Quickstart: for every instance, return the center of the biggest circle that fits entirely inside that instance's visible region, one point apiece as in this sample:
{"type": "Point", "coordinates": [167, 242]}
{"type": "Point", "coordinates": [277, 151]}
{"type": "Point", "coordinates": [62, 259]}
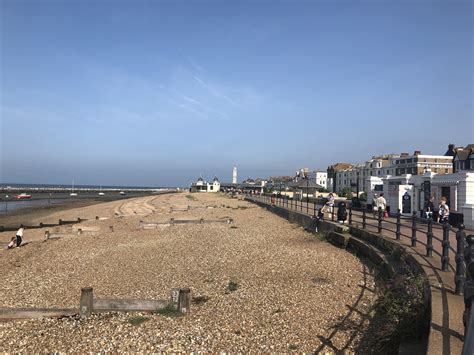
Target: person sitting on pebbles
{"type": "Point", "coordinates": [16, 240]}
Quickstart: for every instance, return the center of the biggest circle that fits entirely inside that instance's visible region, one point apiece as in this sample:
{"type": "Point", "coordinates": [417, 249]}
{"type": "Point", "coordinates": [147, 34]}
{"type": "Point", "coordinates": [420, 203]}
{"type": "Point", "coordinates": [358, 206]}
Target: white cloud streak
{"type": "Point", "coordinates": [214, 91]}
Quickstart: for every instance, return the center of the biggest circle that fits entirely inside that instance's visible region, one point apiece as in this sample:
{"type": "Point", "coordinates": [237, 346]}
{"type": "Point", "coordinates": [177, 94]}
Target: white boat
{"type": "Point", "coordinates": [101, 194]}
{"type": "Point", "coordinates": [73, 193]}
{"type": "Point", "coordinates": [123, 193]}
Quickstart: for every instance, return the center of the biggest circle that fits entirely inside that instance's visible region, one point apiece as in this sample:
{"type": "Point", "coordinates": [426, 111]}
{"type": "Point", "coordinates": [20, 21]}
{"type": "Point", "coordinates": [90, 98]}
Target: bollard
{"type": "Point", "coordinates": [429, 237]}
{"type": "Point", "coordinates": [111, 228]}
{"type": "Point", "coordinates": [41, 224]}
{"type": "Point", "coordinates": [350, 215]}
{"type": "Point", "coordinates": [445, 244]}
{"type": "Point", "coordinates": [86, 305]}
{"type": "Point", "coordinates": [460, 277]}
{"type": "Point", "coordinates": [201, 221]}
{"type": "Point", "coordinates": [79, 231]}
{"type": "Point", "coordinates": [60, 221]}
{"type": "Point", "coordinates": [363, 219]}
{"type": "Point", "coordinates": [96, 218]}
{"type": "Point", "coordinates": [379, 227]}
{"type": "Point", "coordinates": [171, 221]}
{"type": "Point", "coordinates": [399, 225]}
{"type": "Point", "coordinates": [46, 235]}
{"type": "Point", "coordinates": [78, 220]}
{"type": "Point", "coordinates": [413, 230]}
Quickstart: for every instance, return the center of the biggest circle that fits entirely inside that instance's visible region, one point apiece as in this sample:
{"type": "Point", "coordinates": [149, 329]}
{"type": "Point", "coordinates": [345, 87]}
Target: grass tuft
{"type": "Point", "coordinates": [169, 311]}
{"type": "Point", "coordinates": [232, 286]}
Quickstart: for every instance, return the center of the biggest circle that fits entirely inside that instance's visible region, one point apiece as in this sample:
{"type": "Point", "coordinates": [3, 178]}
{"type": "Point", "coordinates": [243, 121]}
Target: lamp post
{"type": "Point", "coordinates": [358, 175]}
{"type": "Point", "coordinates": [307, 189]}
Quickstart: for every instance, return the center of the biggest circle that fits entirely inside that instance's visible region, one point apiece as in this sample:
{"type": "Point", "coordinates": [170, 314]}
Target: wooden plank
{"type": "Point", "coordinates": [127, 305]}
{"type": "Point", "coordinates": [9, 314]}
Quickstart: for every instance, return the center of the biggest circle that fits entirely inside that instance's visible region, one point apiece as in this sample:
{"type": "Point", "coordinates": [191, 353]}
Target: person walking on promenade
{"type": "Point", "coordinates": [374, 206]}
{"type": "Point", "coordinates": [428, 208]}
{"type": "Point", "coordinates": [16, 240]}
{"type": "Point", "coordinates": [443, 214]}
{"type": "Point", "coordinates": [330, 203]}
{"type": "Point", "coordinates": [381, 204]}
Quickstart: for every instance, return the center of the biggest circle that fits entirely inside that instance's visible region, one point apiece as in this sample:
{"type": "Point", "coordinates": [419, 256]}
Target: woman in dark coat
{"type": "Point", "coordinates": [341, 212]}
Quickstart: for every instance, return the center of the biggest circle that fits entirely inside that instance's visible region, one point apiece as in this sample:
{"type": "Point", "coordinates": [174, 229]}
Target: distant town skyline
{"type": "Point", "coordinates": [155, 93]}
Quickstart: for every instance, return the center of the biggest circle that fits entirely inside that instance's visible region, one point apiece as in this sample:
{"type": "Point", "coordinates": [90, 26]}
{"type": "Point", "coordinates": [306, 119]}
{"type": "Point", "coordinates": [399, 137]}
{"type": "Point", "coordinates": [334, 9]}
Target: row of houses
{"type": "Point", "coordinates": [409, 180]}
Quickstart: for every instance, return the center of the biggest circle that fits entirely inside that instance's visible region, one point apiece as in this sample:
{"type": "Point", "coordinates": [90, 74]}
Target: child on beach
{"type": "Point", "coordinates": [16, 240]}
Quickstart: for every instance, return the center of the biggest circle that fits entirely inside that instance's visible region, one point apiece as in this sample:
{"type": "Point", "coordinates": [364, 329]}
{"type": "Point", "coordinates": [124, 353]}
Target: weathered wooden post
{"type": "Point", "coordinates": [184, 300]}
{"type": "Point", "coordinates": [111, 228]}
{"type": "Point", "coordinates": [171, 222]}
{"type": "Point", "coordinates": [379, 227]}
{"type": "Point", "coordinates": [87, 301]}
{"type": "Point", "coordinates": [78, 220]}
{"type": "Point", "coordinates": [350, 215]}
{"type": "Point", "coordinates": [399, 225]}
{"type": "Point", "coordinates": [41, 224]}
{"type": "Point", "coordinates": [364, 216]}
{"type": "Point", "coordinates": [413, 229]}
{"type": "Point", "coordinates": [201, 221]}
{"type": "Point", "coordinates": [460, 277]}
{"type": "Point", "coordinates": [46, 235]}
{"type": "Point", "coordinates": [60, 221]}
{"type": "Point", "coordinates": [445, 244]}
{"type": "Point", "coordinates": [96, 218]}
{"type": "Point", "coordinates": [79, 231]}
{"type": "Point", "coordinates": [429, 237]}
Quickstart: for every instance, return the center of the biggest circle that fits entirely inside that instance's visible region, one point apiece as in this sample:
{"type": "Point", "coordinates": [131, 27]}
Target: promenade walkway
{"type": "Point", "coordinates": [447, 329]}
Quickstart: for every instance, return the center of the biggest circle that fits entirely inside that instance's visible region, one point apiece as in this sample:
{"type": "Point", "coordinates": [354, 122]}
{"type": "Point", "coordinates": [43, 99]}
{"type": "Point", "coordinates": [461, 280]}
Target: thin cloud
{"type": "Point", "coordinates": [173, 96]}
{"type": "Point", "coordinates": [206, 108]}
{"type": "Point", "coordinates": [195, 66]}
{"type": "Point", "coordinates": [203, 115]}
{"type": "Point", "coordinates": [214, 92]}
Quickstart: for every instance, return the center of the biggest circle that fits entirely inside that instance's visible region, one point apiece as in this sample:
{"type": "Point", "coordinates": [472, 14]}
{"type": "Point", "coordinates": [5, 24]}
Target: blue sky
{"type": "Point", "coordinates": [159, 92]}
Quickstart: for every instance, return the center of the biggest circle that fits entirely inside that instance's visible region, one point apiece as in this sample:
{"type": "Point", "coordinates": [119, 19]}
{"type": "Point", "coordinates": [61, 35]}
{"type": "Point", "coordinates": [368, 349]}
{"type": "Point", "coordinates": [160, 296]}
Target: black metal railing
{"type": "Point", "coordinates": [437, 238]}
{"type": "Point", "coordinates": [468, 289]}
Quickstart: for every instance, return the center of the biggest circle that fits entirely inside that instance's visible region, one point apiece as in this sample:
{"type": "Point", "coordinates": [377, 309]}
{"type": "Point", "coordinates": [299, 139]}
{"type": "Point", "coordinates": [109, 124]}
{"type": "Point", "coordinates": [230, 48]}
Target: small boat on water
{"type": "Point", "coordinates": [101, 193]}
{"type": "Point", "coordinates": [22, 196]}
{"type": "Point", "coordinates": [73, 193]}
{"type": "Point", "coordinates": [123, 193]}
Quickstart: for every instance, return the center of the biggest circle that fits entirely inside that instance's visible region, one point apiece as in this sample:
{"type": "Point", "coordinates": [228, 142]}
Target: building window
{"type": "Point", "coordinates": [212, 187]}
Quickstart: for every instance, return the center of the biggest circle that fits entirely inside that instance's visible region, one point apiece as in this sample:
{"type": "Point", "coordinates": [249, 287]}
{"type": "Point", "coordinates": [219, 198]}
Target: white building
{"type": "Point", "coordinates": [409, 192]}
{"type": "Point", "coordinates": [319, 178]}
{"type": "Point", "coordinates": [203, 186]}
